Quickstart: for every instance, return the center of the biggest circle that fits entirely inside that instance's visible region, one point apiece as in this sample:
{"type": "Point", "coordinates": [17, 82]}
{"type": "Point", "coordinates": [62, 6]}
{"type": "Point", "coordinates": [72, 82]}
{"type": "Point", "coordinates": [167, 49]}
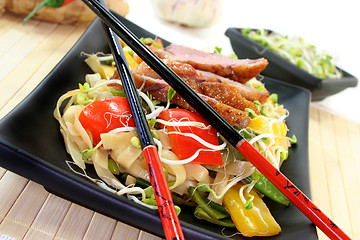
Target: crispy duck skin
{"type": "Point", "coordinates": [249, 93]}
{"type": "Point", "coordinates": [233, 116]}
{"type": "Point", "coordinates": [240, 70]}
{"type": "Point", "coordinates": [227, 94]}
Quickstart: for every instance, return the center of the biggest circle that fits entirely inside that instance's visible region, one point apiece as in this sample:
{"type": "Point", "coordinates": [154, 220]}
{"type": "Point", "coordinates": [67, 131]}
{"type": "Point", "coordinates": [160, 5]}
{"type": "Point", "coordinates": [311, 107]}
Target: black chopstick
{"type": "Point", "coordinates": [299, 199]}
{"type": "Point", "coordinates": [167, 212]}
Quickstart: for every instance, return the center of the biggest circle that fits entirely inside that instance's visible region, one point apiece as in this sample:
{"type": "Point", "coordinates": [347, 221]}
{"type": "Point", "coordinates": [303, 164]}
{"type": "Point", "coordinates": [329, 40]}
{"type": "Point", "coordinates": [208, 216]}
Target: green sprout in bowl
{"type": "Point", "coordinates": [297, 51]}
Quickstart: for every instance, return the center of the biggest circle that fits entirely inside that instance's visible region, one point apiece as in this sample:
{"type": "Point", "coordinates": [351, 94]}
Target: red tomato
{"type": "Point", "coordinates": [104, 115]}
{"type": "Point", "coordinates": [183, 146]}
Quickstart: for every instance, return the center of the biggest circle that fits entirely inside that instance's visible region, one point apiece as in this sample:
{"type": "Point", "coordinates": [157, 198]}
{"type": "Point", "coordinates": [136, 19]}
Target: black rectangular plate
{"type": "Point", "coordinates": [32, 146]}
{"type": "Point", "coordinates": [281, 69]}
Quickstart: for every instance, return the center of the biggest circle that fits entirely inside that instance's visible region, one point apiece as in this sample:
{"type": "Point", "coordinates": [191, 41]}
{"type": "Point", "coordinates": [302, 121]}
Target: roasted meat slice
{"type": "Point", "coordinates": [241, 70]}
{"type": "Point", "coordinates": [226, 94]}
{"type": "Point", "coordinates": [249, 93]}
{"type": "Point", "coordinates": [185, 71]}
{"type": "Point", "coordinates": [233, 116]}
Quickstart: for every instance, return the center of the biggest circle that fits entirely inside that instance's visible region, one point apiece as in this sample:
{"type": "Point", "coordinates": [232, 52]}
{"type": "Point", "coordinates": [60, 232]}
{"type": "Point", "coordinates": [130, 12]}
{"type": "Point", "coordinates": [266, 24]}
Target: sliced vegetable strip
{"type": "Point", "coordinates": [104, 115]}
{"type": "Point", "coordinates": [183, 146]}
{"type": "Point", "coordinates": [256, 221]}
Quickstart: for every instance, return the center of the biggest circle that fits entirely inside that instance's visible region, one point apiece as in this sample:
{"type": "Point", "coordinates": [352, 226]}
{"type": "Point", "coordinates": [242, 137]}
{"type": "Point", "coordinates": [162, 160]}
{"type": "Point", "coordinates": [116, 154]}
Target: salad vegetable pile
{"type": "Point", "coordinates": [203, 171]}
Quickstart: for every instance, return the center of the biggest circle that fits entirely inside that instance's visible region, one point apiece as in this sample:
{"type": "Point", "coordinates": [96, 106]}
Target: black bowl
{"type": "Point", "coordinates": [281, 69]}
{"type": "Point", "coordinates": [31, 145]}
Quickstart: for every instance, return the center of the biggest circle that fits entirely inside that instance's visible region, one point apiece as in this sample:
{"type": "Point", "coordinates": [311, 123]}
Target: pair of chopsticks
{"type": "Point", "coordinates": [299, 199]}
{"type": "Point", "coordinates": [166, 208]}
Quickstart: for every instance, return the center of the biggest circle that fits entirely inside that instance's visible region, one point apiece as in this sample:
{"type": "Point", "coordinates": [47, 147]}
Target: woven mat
{"type": "Point", "coordinates": [29, 52]}
{"type": "Point", "coordinates": [334, 154]}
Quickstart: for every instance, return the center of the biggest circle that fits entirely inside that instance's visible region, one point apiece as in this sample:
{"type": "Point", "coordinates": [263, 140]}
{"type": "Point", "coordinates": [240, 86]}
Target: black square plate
{"type": "Point", "coordinates": [281, 69]}
{"type": "Point", "coordinates": [32, 146]}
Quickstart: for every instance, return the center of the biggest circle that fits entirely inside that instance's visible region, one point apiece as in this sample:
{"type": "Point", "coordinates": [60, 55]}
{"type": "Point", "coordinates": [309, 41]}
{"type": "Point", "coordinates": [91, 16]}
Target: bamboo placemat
{"type": "Point", "coordinates": [29, 52]}
{"type": "Point", "coordinates": [334, 155]}
{"type": "Point", "coordinates": [27, 211]}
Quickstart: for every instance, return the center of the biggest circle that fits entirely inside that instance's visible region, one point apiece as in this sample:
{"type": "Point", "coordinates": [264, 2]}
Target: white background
{"type": "Point", "coordinates": [332, 26]}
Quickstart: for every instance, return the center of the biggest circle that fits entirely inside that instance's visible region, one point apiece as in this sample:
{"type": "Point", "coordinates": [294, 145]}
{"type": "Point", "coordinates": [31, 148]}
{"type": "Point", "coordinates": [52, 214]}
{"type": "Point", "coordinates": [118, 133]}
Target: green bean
{"type": "Point", "coordinates": [180, 201]}
{"type": "Point", "coordinates": [264, 186]}
{"type": "Point", "coordinates": [113, 167]}
{"type": "Point", "coordinates": [139, 181]}
{"type": "Point", "coordinates": [217, 206]}
{"type": "Point", "coordinates": [152, 202]}
{"type": "Point", "coordinates": [145, 184]}
{"type": "Point", "coordinates": [212, 212]}
{"type": "Point", "coordinates": [200, 213]}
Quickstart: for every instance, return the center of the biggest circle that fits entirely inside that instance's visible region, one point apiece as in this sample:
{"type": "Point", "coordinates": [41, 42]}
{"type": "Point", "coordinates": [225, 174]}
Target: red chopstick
{"type": "Point", "coordinates": [166, 208]}
{"type": "Point", "coordinates": [299, 199]}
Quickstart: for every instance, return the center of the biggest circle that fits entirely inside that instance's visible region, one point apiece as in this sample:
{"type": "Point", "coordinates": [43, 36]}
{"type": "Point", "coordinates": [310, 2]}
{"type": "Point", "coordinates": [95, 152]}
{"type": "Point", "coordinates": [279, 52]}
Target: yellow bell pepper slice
{"type": "Point", "coordinates": [250, 222]}
{"type": "Point", "coordinates": [107, 71]}
{"type": "Point", "coordinates": [262, 126]}
{"type": "Point", "coordinates": [131, 61]}
{"type": "Point", "coordinates": [259, 125]}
